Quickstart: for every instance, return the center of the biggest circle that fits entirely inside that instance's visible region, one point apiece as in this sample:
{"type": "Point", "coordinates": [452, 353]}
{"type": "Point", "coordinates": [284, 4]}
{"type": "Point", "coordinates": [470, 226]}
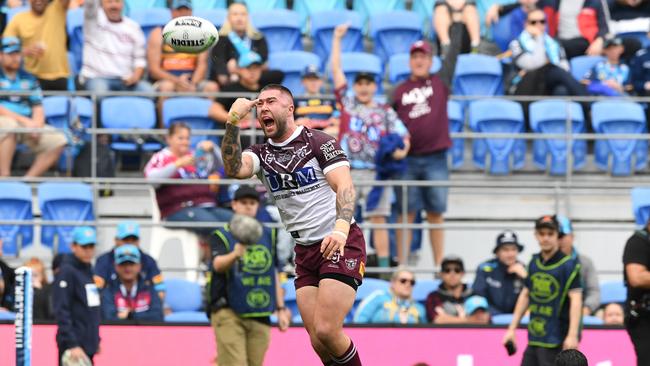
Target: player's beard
{"type": "Point", "coordinates": [280, 128]}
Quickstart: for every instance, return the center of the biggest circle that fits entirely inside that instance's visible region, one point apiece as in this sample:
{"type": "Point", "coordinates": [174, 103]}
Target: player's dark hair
{"type": "Point", "coordinates": [177, 126]}
{"type": "Point", "coordinates": [279, 87]}
{"type": "Point", "coordinates": [571, 357]}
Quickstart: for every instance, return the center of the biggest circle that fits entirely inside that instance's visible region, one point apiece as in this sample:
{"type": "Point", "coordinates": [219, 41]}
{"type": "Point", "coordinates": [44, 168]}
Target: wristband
{"type": "Point", "coordinates": [233, 118]}
{"type": "Point", "coordinates": [344, 235]}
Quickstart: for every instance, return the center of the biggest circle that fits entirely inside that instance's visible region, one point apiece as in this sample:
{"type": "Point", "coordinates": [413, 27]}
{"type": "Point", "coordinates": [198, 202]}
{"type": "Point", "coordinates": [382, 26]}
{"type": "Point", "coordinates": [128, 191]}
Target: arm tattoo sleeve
{"type": "Point", "coordinates": [345, 198]}
{"type": "Point", "coordinates": [231, 150]}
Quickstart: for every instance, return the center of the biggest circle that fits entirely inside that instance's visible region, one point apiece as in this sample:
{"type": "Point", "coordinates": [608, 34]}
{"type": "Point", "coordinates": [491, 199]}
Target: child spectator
{"type": "Point", "coordinates": [42, 303]}
{"type": "Point", "coordinates": [312, 110]}
{"type": "Point", "coordinates": [445, 305]}
{"type": "Point", "coordinates": [392, 306]}
{"type": "Point", "coordinates": [613, 314]}
{"type": "Point", "coordinates": [461, 14]}
{"type": "Point", "coordinates": [610, 77]}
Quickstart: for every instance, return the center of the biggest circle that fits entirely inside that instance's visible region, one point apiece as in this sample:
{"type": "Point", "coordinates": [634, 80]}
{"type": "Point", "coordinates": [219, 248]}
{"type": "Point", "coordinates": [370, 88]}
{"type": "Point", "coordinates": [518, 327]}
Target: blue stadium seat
{"type": "Point", "coordinates": [281, 29]}
{"type": "Point", "coordinates": [11, 12]}
{"type": "Point", "coordinates": [423, 288]}
{"type": "Point", "coordinates": [322, 28]}
{"type": "Point", "coordinates": [63, 202]}
{"type": "Point", "coordinates": [501, 319]}
{"type": "Point", "coordinates": [580, 65]}
{"type": "Point", "coordinates": [550, 116]}
{"type": "Point", "coordinates": [201, 5]}
{"type": "Point", "coordinates": [84, 110]}
{"type": "Point", "coordinates": [183, 295]}
{"type": "Point", "coordinates": [612, 291]}
{"type": "Point", "coordinates": [292, 63]}
{"type": "Point", "coordinates": [305, 8]}
{"type": "Point", "coordinates": [263, 5]}
{"type": "Point", "coordinates": [456, 124]}
{"type": "Point", "coordinates": [502, 33]}
{"type": "Point", "coordinates": [398, 67]}
{"type": "Point", "coordinates": [150, 18]}
{"type": "Point", "coordinates": [15, 204]}
{"type": "Point", "coordinates": [394, 32]}
{"type": "Point", "coordinates": [215, 16]}
{"type": "Point", "coordinates": [497, 155]}
{"type": "Point", "coordinates": [620, 156]}
{"type": "Point", "coordinates": [129, 113]}
{"type": "Point", "coordinates": [368, 8]}
{"type": "Point", "coordinates": [642, 37]}
{"type": "Point", "coordinates": [424, 8]}
{"type": "Point", "coordinates": [478, 75]}
{"type": "Point", "coordinates": [188, 317]}
{"type": "Point", "coordinates": [7, 315]}
{"type": "Point", "coordinates": [641, 205]}
{"type": "Point", "coordinates": [57, 110]}
{"type": "Point", "coordinates": [74, 27]}
{"type": "Point", "coordinates": [136, 5]}
{"type": "Point", "coordinates": [369, 286]}
{"type": "Point", "coordinates": [191, 110]}
{"type": "Point", "coordinates": [591, 320]}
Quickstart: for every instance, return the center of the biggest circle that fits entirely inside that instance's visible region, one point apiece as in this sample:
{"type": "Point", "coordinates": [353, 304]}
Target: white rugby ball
{"type": "Point", "coordinates": [190, 34]}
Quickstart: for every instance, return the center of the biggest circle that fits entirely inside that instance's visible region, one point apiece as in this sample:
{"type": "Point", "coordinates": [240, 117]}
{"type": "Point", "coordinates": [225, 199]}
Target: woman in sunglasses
{"type": "Point", "coordinates": [395, 305]}
{"type": "Point", "coordinates": [540, 64]}
{"type": "Point", "coordinates": [445, 305]}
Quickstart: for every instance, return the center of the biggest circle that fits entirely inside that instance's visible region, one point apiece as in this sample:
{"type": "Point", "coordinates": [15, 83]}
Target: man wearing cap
{"type": "Point", "coordinates": [130, 296]}
{"type": "Point", "coordinates": [445, 305]}
{"type": "Point", "coordinates": [312, 110]}
{"type": "Point", "coordinates": [24, 111]}
{"type": "Point", "coordinates": [421, 103]}
{"type": "Point", "coordinates": [553, 296]}
{"type": "Point", "coordinates": [501, 279]}
{"type": "Point", "coordinates": [477, 310]}
{"type": "Point", "coordinates": [128, 232]}
{"type": "Point", "coordinates": [588, 273]}
{"type": "Point", "coordinates": [76, 299]}
{"type": "Point", "coordinates": [364, 123]}
{"type": "Point", "coordinates": [243, 289]}
{"type": "Point", "coordinates": [610, 76]}
{"type": "Point", "coordinates": [114, 49]}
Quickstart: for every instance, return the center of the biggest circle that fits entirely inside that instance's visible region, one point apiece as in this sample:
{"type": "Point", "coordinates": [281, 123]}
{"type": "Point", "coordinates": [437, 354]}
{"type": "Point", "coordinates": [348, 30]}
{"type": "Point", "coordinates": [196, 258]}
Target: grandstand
{"type": "Point", "coordinates": [513, 159]}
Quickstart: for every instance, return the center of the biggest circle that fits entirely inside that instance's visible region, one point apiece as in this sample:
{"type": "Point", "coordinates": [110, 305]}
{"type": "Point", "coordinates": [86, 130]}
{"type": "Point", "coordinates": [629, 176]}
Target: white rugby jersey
{"type": "Point", "coordinates": [294, 173]}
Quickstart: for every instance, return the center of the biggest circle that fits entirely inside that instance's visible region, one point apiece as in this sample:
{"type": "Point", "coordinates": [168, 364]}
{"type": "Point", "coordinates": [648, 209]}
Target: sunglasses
{"type": "Point", "coordinates": [537, 21]}
{"type": "Point", "coordinates": [404, 281]}
{"type": "Point", "coordinates": [452, 269]}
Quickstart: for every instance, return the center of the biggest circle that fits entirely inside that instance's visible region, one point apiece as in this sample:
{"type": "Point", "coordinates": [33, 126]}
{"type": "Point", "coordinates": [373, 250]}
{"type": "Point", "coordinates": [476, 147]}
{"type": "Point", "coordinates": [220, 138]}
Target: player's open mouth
{"type": "Point", "coordinates": [268, 121]}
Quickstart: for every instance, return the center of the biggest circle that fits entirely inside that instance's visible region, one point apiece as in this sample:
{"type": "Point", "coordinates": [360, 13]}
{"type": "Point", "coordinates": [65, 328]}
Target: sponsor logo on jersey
{"type": "Point", "coordinates": [284, 181]}
{"type": "Point", "coordinates": [330, 151]}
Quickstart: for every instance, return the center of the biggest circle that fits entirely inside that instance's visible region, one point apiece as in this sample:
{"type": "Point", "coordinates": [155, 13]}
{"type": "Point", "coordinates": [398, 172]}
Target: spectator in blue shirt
{"type": "Point", "coordinates": [501, 279]}
{"type": "Point", "coordinates": [395, 305]}
{"type": "Point", "coordinates": [24, 111]}
{"type": "Point", "coordinates": [130, 296]}
{"type": "Point", "coordinates": [610, 77]}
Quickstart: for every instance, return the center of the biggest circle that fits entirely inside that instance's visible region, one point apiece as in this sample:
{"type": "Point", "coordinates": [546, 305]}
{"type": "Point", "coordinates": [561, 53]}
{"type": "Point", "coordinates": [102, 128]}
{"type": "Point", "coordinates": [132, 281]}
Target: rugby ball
{"type": "Point", "coordinates": [190, 34]}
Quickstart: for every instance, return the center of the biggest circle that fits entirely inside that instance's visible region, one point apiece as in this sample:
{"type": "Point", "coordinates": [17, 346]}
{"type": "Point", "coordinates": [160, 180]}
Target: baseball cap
{"type": "Point", "coordinates": [177, 4]}
{"type": "Point", "coordinates": [127, 253]}
{"type": "Point", "coordinates": [452, 259]}
{"type": "Point", "coordinates": [249, 58]}
{"type": "Point", "coordinates": [365, 76]}
{"type": "Point", "coordinates": [613, 41]}
{"type": "Point", "coordinates": [127, 228]}
{"type": "Point", "coordinates": [474, 303]}
{"type": "Point", "coordinates": [547, 221]}
{"type": "Point", "coordinates": [421, 46]}
{"type": "Point", "coordinates": [246, 192]}
{"type": "Point", "coordinates": [565, 225]}
{"type": "Point", "coordinates": [84, 235]}
{"type": "Point", "coordinates": [505, 238]}
{"type": "Point", "coordinates": [10, 44]}
{"type": "Point", "coordinates": [310, 71]}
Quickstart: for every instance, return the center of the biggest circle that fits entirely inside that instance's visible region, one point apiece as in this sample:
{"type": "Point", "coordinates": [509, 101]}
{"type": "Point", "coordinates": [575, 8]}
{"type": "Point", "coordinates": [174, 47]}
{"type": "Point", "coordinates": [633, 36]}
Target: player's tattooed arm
{"type": "Point", "coordinates": [345, 198]}
{"type": "Point", "coordinates": [231, 150]}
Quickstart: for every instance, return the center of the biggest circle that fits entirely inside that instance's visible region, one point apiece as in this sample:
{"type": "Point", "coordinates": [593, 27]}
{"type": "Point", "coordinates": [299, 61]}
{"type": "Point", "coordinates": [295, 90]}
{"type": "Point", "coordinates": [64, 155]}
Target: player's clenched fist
{"type": "Point", "coordinates": [240, 109]}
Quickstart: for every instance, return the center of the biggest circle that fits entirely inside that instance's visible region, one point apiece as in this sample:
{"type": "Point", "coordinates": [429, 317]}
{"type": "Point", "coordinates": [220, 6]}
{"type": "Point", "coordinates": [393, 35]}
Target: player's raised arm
{"type": "Point", "coordinates": [340, 180]}
{"type": "Point", "coordinates": [236, 165]}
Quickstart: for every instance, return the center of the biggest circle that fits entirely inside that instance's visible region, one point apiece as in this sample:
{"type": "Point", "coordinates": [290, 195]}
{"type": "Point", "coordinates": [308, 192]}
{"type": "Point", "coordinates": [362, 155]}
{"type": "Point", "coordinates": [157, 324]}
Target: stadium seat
{"type": "Point", "coordinates": [505, 319]}
{"type": "Point", "coordinates": [478, 75]}
{"type": "Point", "coordinates": [191, 110]}
{"type": "Point", "coordinates": [393, 32]}
{"type": "Point", "coordinates": [591, 320]}
{"type": "Point", "coordinates": [619, 156]}
{"type": "Point", "coordinates": [356, 62]}
{"type": "Point", "coordinates": [497, 155]}
{"type": "Point", "coordinates": [129, 113]}
{"type": "Point", "coordinates": [423, 288]}
{"type": "Point", "coordinates": [322, 28]}
{"type": "Point", "coordinates": [63, 202]}
{"type": "Point", "coordinates": [612, 291]}
{"type": "Point", "coordinates": [74, 28]}
{"type": "Point", "coordinates": [57, 111]}
{"type": "Point", "coordinates": [369, 286]}
{"type": "Point", "coordinates": [183, 295]}
{"type": "Point", "coordinates": [305, 8]}
{"type": "Point", "coordinates": [83, 108]}
{"type": "Point", "coordinates": [292, 63]}
{"type": "Point", "coordinates": [188, 317]}
{"type": "Point", "coordinates": [456, 124]}
{"type": "Point", "coordinates": [398, 67]}
{"type": "Point", "coordinates": [641, 205]}
{"type": "Point", "coordinates": [550, 116]}
{"type": "Point", "coordinates": [642, 37]}
{"type": "Point", "coordinates": [201, 5]}
{"type": "Point", "coordinates": [281, 29]}
{"type": "Point", "coordinates": [11, 12]}
{"type": "Point", "coordinates": [263, 5]}
{"type": "Point", "coordinates": [424, 8]}
{"type": "Point", "coordinates": [368, 8]}
{"type": "Point", "coordinates": [135, 5]}
{"type": "Point", "coordinates": [7, 315]}
{"type": "Point", "coordinates": [15, 204]}
{"type": "Point", "coordinates": [215, 16]}
{"type": "Point", "coordinates": [580, 65]}
{"type": "Point", "coordinates": [150, 18]}
{"type": "Point", "coordinates": [501, 32]}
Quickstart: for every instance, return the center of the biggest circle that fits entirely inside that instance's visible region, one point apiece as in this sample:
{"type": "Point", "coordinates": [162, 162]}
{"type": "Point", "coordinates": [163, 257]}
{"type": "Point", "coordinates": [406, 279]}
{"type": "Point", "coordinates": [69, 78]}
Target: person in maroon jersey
{"type": "Point", "coordinates": [308, 175]}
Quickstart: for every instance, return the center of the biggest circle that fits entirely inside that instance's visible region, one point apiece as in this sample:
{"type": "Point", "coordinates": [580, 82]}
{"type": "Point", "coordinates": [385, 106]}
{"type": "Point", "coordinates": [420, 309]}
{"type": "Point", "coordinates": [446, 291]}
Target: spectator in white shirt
{"type": "Point", "coordinates": [114, 49]}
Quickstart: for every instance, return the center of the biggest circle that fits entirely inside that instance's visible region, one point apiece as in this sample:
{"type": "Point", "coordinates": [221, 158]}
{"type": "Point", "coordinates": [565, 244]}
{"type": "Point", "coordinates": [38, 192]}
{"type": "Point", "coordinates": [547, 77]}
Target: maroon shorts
{"type": "Point", "coordinates": [311, 267]}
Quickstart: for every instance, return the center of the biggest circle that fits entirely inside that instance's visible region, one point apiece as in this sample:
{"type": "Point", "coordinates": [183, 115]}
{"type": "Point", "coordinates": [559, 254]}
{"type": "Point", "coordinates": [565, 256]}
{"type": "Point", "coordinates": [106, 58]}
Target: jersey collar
{"type": "Point", "coordinates": [295, 134]}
